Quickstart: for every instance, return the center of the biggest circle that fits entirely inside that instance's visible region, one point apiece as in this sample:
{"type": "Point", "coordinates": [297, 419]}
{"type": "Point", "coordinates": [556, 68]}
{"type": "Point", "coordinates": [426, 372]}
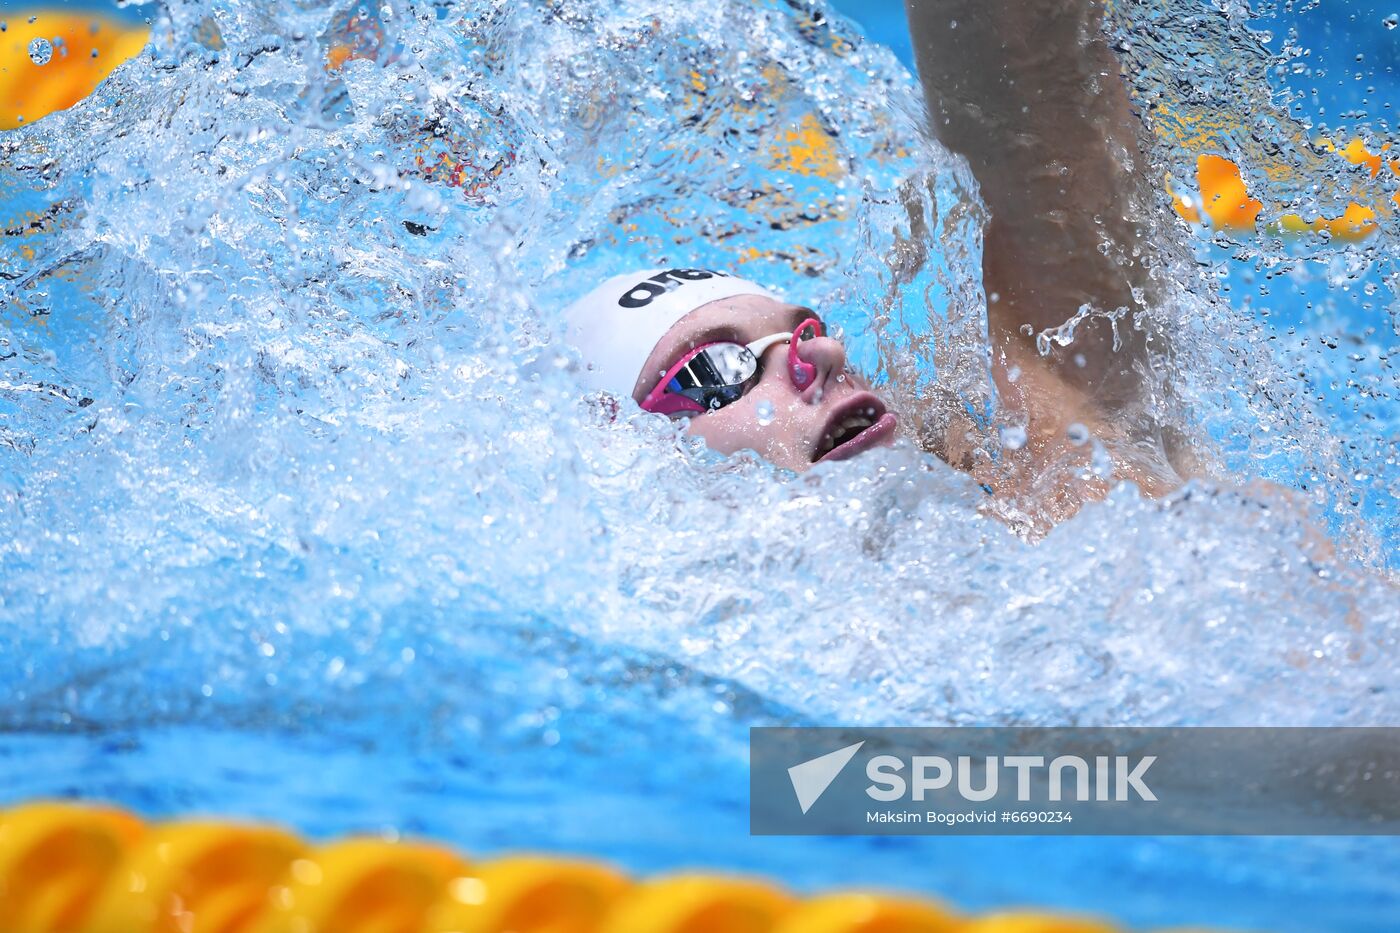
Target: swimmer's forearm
{"type": "Point", "coordinates": [1030, 94]}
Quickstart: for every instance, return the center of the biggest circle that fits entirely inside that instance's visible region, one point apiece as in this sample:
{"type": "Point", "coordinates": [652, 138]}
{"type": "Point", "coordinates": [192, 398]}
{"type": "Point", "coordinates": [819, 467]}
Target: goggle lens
{"type": "Point", "coordinates": [715, 375]}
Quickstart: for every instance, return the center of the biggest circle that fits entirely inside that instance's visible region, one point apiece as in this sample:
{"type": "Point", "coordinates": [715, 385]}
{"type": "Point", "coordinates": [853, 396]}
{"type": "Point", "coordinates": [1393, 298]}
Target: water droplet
{"type": "Point", "coordinates": [1077, 434]}
{"type": "Point", "coordinates": [1013, 436]}
{"type": "Point", "coordinates": [1101, 462]}
{"type": "Point", "coordinates": [1391, 21]}
{"type": "Point", "coordinates": [41, 51]}
{"type": "Point", "coordinates": [765, 413]}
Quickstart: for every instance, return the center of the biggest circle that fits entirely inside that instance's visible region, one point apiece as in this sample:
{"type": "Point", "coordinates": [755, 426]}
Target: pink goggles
{"type": "Point", "coordinates": [716, 374]}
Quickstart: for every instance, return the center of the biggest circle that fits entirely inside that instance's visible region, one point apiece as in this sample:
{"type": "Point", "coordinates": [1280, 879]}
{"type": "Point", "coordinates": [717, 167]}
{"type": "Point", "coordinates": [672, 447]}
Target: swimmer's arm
{"type": "Point", "coordinates": [1030, 94]}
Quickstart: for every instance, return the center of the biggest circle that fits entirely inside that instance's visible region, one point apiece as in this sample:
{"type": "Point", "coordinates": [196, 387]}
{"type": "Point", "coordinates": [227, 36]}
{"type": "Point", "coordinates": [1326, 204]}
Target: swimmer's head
{"type": "Point", "coordinates": [793, 400]}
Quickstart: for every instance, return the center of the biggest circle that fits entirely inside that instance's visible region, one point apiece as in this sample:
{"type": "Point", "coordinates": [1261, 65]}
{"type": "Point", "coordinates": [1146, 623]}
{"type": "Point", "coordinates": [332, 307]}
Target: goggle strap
{"type": "Point", "coordinates": [760, 345]}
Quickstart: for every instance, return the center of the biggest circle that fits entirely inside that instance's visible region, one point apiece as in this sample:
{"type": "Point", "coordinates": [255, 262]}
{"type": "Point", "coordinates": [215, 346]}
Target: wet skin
{"type": "Point", "coordinates": [801, 423]}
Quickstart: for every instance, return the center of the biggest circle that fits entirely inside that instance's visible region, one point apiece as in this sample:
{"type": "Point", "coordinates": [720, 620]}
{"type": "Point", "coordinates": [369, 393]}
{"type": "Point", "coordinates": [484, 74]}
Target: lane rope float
{"type": "Point", "coordinates": [86, 868]}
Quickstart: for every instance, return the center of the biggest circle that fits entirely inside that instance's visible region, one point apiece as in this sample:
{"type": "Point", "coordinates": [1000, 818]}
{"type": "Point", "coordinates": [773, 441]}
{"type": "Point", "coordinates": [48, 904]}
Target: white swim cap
{"type": "Point", "coordinates": [619, 323]}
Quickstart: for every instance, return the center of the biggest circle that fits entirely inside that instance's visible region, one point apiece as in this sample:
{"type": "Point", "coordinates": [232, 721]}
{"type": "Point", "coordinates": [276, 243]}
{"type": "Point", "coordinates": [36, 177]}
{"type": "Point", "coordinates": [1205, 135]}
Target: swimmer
{"type": "Point", "coordinates": [748, 370]}
{"type": "Point", "coordinates": [1045, 126]}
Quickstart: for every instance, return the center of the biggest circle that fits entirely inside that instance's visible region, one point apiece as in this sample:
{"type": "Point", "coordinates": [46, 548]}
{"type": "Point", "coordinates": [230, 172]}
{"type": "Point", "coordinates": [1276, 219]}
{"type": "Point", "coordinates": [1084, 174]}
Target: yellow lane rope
{"type": "Point", "coordinates": [1226, 204]}
{"type": "Point", "coordinates": [81, 868]}
{"type": "Point", "coordinates": [81, 51]}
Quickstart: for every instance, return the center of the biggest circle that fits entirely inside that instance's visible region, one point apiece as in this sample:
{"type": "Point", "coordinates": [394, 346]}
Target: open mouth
{"type": "Point", "coordinates": [857, 425]}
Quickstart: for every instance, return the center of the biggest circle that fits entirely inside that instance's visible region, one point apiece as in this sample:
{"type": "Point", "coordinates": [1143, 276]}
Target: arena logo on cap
{"type": "Point", "coordinates": [647, 290]}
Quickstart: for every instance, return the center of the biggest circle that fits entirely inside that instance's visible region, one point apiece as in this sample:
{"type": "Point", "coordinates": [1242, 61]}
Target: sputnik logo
{"type": "Point", "coordinates": [811, 778]}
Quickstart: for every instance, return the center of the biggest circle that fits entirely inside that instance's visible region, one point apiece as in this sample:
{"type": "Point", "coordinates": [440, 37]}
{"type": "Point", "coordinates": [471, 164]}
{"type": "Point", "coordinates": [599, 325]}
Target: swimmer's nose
{"type": "Point", "coordinates": [813, 363]}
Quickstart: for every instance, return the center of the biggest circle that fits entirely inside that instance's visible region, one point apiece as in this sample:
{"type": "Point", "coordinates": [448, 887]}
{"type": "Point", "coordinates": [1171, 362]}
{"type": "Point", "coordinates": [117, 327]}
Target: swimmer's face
{"type": "Point", "coordinates": [833, 418]}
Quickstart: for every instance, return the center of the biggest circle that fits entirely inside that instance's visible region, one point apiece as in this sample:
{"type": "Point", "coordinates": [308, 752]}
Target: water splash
{"type": "Point", "coordinates": [282, 359]}
{"type": "Point", "coordinates": [1303, 359]}
{"type": "Point", "coordinates": [288, 435]}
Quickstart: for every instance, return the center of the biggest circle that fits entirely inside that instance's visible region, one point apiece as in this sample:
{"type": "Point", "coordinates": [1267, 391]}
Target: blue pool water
{"type": "Point", "coordinates": [301, 518]}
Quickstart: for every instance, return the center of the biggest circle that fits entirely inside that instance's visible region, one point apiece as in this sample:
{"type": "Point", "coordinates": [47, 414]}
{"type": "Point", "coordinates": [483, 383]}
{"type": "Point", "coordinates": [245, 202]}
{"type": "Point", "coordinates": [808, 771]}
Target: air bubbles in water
{"type": "Point", "coordinates": [1013, 436]}
{"type": "Point", "coordinates": [41, 51]}
{"type": "Point", "coordinates": [1391, 21]}
{"type": "Point", "coordinates": [764, 413]}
